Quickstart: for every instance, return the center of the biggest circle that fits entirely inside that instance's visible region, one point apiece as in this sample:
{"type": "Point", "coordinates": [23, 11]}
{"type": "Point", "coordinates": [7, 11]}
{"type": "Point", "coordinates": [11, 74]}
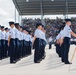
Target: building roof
{"type": "Point", "coordinates": [49, 7]}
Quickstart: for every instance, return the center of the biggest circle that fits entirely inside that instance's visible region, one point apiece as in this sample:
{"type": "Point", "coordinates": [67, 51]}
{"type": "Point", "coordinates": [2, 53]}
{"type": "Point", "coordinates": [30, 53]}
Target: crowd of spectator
{"type": "Point", "coordinates": [52, 26]}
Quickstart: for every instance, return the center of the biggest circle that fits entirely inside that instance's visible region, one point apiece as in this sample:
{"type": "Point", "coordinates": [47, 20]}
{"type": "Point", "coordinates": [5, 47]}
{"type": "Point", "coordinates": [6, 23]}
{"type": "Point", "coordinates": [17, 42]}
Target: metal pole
{"type": "Point", "coordinates": [66, 8]}
{"type": "Point", "coordinates": [21, 20]}
{"type": "Point", "coordinates": [64, 16]}
{"type": "Point", "coordinates": [15, 14]}
{"type": "Point", "coordinates": [41, 2]}
{"type": "Point", "coordinates": [18, 18]}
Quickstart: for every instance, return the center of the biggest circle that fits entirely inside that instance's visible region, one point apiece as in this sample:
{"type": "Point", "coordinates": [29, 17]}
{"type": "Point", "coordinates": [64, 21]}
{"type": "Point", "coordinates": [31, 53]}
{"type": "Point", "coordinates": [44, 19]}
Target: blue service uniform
{"type": "Point", "coordinates": [2, 44]}
{"type": "Point", "coordinates": [24, 44]}
{"type": "Point", "coordinates": [43, 45]}
{"type": "Point", "coordinates": [21, 43]}
{"type": "Point", "coordinates": [50, 42]}
{"type": "Point", "coordinates": [57, 45]}
{"type": "Point", "coordinates": [66, 43]}
{"type": "Point", "coordinates": [6, 44]}
{"type": "Point", "coordinates": [30, 45]}
{"type": "Point", "coordinates": [38, 45]}
{"type": "Point", "coordinates": [27, 44]}
{"type": "Point", "coordinates": [12, 45]}
{"type": "Point", "coordinates": [17, 42]}
{"type": "Point", "coordinates": [62, 46]}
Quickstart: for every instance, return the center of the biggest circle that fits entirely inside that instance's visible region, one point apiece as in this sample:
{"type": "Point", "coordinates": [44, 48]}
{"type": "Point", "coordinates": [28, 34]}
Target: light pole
{"type": "Point", "coordinates": [15, 15]}
{"type": "Point", "coordinates": [66, 8]}
{"type": "Point", "coordinates": [41, 3]}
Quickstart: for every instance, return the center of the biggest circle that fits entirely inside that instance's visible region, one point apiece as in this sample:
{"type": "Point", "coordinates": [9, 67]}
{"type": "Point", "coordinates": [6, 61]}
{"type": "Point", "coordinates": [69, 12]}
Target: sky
{"type": "Point", "coordinates": [7, 13]}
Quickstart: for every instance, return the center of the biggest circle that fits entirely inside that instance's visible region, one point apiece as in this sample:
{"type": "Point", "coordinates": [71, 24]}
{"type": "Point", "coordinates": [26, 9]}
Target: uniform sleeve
{"type": "Point", "coordinates": [36, 33]}
{"type": "Point", "coordinates": [5, 35]}
{"type": "Point", "coordinates": [23, 36]}
{"type": "Point", "coordinates": [10, 32]}
{"type": "Point", "coordinates": [45, 39]}
{"type": "Point", "coordinates": [16, 33]}
{"type": "Point", "coordinates": [30, 38]}
{"type": "Point", "coordinates": [58, 37]}
{"type": "Point", "coordinates": [70, 29]}
{"type": "Point", "coordinates": [62, 34]}
{"type": "Point", "coordinates": [0, 35]}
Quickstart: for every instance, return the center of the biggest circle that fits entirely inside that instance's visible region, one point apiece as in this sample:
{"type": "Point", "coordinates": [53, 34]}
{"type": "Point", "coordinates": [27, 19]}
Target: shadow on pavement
{"type": "Point", "coordinates": [54, 62]}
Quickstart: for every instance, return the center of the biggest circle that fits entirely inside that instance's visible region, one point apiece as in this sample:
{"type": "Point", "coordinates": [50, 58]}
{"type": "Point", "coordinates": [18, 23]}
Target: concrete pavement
{"type": "Point", "coordinates": [52, 65]}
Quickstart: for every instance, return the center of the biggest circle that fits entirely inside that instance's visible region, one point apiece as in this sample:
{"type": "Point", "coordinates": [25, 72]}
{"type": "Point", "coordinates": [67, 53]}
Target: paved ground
{"type": "Point", "coordinates": [52, 65]}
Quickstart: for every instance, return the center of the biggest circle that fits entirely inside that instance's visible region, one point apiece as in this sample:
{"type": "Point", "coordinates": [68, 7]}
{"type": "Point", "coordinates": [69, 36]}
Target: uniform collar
{"type": "Point", "coordinates": [2, 31]}
{"type": "Point", "coordinates": [12, 28]}
{"type": "Point", "coordinates": [67, 25]}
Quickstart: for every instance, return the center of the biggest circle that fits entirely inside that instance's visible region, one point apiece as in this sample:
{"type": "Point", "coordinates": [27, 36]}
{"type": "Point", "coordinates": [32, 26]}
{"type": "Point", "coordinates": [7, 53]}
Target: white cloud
{"type": "Point", "coordinates": [6, 12]}
{"type": "Point", "coordinates": [3, 13]}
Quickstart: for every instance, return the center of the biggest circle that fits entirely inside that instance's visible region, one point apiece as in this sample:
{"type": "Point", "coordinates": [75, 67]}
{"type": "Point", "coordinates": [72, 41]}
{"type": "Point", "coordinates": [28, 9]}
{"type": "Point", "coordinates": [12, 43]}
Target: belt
{"type": "Point", "coordinates": [2, 39]}
{"type": "Point", "coordinates": [12, 40]}
{"type": "Point", "coordinates": [66, 38]}
{"type": "Point", "coordinates": [16, 38]}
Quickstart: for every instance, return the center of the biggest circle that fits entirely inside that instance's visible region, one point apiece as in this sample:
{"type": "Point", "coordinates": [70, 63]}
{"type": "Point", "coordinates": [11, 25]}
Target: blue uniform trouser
{"type": "Point", "coordinates": [12, 50]}
{"type": "Point", "coordinates": [24, 48]}
{"type": "Point", "coordinates": [17, 49]}
{"type": "Point", "coordinates": [2, 48]}
{"type": "Point", "coordinates": [66, 48]}
{"type": "Point", "coordinates": [57, 49]}
{"type": "Point", "coordinates": [50, 45]}
{"type": "Point", "coordinates": [37, 53]}
{"type": "Point", "coordinates": [43, 49]}
{"type": "Point", "coordinates": [62, 52]}
{"type": "Point", "coordinates": [6, 48]}
{"type": "Point", "coordinates": [27, 47]}
{"type": "Point", "coordinates": [21, 48]}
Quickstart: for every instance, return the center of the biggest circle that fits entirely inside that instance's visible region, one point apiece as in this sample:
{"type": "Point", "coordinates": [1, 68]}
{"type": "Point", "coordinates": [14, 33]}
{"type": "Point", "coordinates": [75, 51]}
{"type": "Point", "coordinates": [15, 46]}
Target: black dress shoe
{"type": "Point", "coordinates": [59, 55]}
{"type": "Point", "coordinates": [40, 60]}
{"type": "Point", "coordinates": [68, 63]}
{"type": "Point", "coordinates": [62, 60]}
{"type": "Point", "coordinates": [43, 57]}
{"type": "Point", "coordinates": [37, 62]}
{"type": "Point", "coordinates": [0, 58]}
{"type": "Point", "coordinates": [13, 62]}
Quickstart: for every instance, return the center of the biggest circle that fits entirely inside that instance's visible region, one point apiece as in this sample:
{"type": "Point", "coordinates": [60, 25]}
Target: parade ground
{"type": "Point", "coordinates": [52, 65]}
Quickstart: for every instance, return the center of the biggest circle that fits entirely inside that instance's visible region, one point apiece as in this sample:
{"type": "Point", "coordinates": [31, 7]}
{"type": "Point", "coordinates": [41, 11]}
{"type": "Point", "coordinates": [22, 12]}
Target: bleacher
{"type": "Point", "coordinates": [52, 25]}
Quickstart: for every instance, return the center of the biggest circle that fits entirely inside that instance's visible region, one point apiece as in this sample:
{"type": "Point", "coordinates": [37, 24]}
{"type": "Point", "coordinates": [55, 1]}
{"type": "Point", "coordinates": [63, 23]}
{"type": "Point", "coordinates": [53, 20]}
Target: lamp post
{"type": "Point", "coordinates": [41, 3]}
{"type": "Point", "coordinates": [66, 8]}
{"type": "Point", "coordinates": [15, 15]}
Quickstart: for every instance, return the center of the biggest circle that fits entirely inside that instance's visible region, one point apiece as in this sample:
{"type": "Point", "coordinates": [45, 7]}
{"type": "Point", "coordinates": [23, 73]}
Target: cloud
{"type": "Point", "coordinates": [3, 13]}
{"type": "Point", "coordinates": [6, 12]}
